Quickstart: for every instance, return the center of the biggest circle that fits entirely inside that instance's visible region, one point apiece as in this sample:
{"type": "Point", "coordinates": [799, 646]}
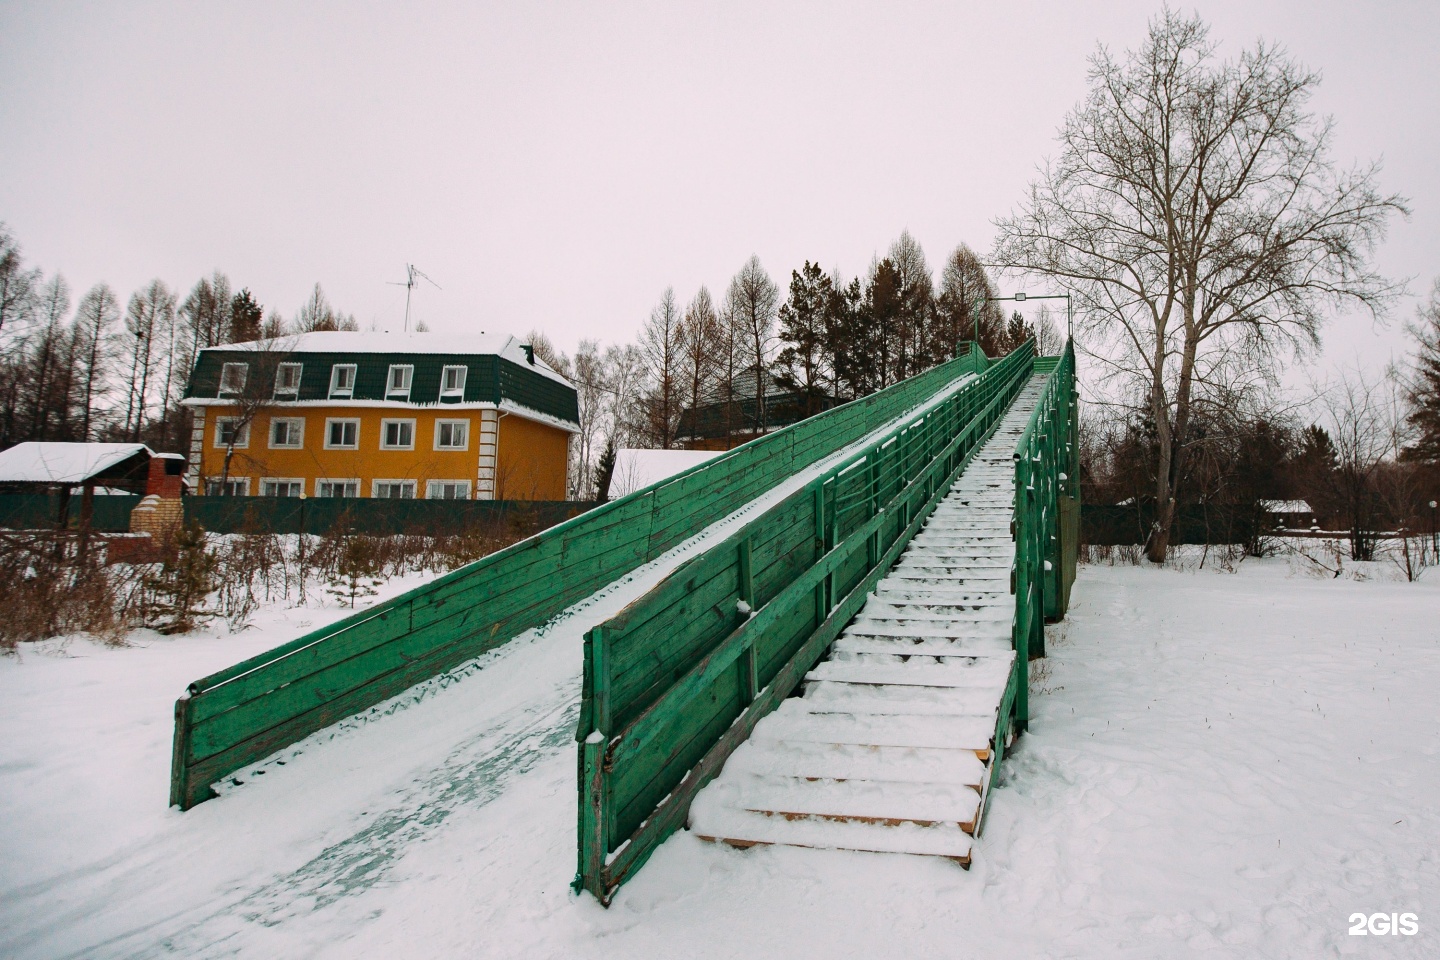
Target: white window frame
{"type": "Point", "coordinates": [242, 439]}
{"type": "Point", "coordinates": [292, 392]}
{"type": "Point", "coordinates": [338, 392]}
{"type": "Point", "coordinates": [376, 484]}
{"type": "Point", "coordinates": [457, 392]}
{"type": "Point", "coordinates": [463, 423]}
{"type": "Point", "coordinates": [346, 480]}
{"type": "Point", "coordinates": [433, 489]}
{"type": "Point", "coordinates": [297, 423]}
{"type": "Point", "coordinates": [342, 446]}
{"type": "Point", "coordinates": [289, 481]}
{"type": "Point", "coordinates": [241, 484]}
{"type": "Point", "coordinates": [393, 392]}
{"type": "Point", "coordinates": [244, 377]}
{"type": "Point", "coordinates": [397, 446]}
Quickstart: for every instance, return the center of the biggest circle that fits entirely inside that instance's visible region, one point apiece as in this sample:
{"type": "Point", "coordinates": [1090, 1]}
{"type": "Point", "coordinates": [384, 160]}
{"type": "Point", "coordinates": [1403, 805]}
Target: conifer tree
{"type": "Point", "coordinates": [1425, 388]}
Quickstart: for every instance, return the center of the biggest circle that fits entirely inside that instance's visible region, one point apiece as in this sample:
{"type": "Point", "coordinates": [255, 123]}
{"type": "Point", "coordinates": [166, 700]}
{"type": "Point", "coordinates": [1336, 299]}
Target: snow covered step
{"type": "Point", "coordinates": [847, 800]}
{"type": "Point", "coordinates": [958, 732]}
{"type": "Point", "coordinates": [716, 822]}
{"type": "Point", "coordinates": [836, 761]}
{"type": "Point", "coordinates": [885, 608]}
{"type": "Point", "coordinates": [911, 594]}
{"type": "Point", "coordinates": [894, 699]}
{"type": "Point", "coordinates": [921, 671]}
{"type": "Point", "coordinates": [905, 637]}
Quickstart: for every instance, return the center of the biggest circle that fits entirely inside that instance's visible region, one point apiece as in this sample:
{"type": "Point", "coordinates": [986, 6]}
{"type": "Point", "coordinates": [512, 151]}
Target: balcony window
{"type": "Point", "coordinates": [397, 384]}
{"type": "Point", "coordinates": [342, 381]}
{"type": "Point", "coordinates": [452, 383]}
{"type": "Point", "coordinates": [287, 380]}
{"type": "Point", "coordinates": [232, 378]}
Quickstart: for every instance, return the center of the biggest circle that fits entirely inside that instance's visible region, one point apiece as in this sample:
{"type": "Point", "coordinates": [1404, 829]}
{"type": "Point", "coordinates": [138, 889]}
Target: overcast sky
{"type": "Point", "coordinates": [558, 165]}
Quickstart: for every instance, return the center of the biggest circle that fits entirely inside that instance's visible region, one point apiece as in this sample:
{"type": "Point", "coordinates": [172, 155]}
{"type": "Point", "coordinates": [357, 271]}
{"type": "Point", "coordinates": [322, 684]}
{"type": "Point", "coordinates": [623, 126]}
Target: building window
{"type": "Point", "coordinates": [452, 383]}
{"type": "Point", "coordinates": [282, 488]}
{"type": "Point", "coordinates": [342, 434]}
{"type": "Point", "coordinates": [337, 488]}
{"type": "Point", "coordinates": [447, 490]}
{"type": "Point", "coordinates": [397, 385]}
{"type": "Point", "coordinates": [397, 434]}
{"type": "Point", "coordinates": [393, 489]}
{"type": "Point", "coordinates": [452, 434]}
{"type": "Point", "coordinates": [229, 432]}
{"type": "Point", "coordinates": [287, 380]}
{"type": "Point", "coordinates": [342, 380]}
{"type": "Point", "coordinates": [287, 433]}
{"type": "Point", "coordinates": [233, 487]}
{"type": "Point", "coordinates": [232, 377]}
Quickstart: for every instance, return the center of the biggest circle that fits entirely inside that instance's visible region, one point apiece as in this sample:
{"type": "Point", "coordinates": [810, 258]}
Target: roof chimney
{"type": "Point", "coordinates": [529, 349]}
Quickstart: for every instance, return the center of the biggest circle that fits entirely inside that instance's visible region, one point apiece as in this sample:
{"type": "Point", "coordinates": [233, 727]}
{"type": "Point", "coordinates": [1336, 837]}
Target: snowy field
{"type": "Point", "coordinates": [1219, 765]}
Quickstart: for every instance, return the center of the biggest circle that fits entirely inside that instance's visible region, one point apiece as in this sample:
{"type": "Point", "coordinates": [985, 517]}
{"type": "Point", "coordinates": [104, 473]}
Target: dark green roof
{"type": "Point", "coordinates": [490, 378]}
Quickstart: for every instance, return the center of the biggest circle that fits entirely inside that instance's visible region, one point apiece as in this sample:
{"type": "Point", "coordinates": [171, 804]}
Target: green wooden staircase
{"type": "Point", "coordinates": [952, 533]}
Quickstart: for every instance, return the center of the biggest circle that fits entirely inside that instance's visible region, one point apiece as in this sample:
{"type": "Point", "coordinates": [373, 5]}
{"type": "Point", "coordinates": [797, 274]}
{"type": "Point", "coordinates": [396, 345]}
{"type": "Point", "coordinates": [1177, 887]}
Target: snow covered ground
{"type": "Point", "coordinates": [1219, 765]}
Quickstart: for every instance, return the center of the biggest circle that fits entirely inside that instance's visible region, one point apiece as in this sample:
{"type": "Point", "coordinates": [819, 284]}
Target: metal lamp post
{"type": "Point", "coordinates": [1021, 298]}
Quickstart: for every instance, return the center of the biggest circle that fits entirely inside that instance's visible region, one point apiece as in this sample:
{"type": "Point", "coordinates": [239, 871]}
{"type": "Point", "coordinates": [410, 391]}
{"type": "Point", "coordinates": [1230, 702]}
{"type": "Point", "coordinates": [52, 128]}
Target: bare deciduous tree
{"type": "Point", "coordinates": [1195, 211]}
{"type": "Point", "coordinates": [97, 313]}
{"type": "Point", "coordinates": [751, 303]}
{"type": "Point", "coordinates": [660, 351]}
{"type": "Point", "coordinates": [151, 312]}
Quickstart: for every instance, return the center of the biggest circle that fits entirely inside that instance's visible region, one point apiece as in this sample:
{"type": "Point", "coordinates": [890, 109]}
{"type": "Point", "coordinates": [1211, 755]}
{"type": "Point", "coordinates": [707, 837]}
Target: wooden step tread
{"type": "Point", "coordinates": [848, 761]}
{"type": "Point", "coordinates": [946, 732]}
{"type": "Point", "coordinates": [741, 828]}
{"type": "Point", "coordinates": [889, 803]}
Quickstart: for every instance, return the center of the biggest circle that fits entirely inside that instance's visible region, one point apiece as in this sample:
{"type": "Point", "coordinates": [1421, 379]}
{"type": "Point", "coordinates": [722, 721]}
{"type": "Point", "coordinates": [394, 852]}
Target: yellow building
{"type": "Point", "coordinates": [339, 414]}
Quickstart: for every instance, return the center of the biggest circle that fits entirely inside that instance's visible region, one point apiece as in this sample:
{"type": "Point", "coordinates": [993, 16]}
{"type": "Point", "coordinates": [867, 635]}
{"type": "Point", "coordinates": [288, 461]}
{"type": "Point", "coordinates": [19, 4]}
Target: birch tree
{"type": "Point", "coordinates": [1195, 213]}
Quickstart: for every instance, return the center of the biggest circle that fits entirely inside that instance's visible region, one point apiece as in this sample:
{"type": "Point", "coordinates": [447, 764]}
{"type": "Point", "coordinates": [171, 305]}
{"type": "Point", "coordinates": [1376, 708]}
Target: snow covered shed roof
{"type": "Point", "coordinates": [68, 463]}
{"type": "Point", "coordinates": [499, 367]}
{"type": "Point", "coordinates": [1286, 506]}
{"type": "Point", "coordinates": [636, 469]}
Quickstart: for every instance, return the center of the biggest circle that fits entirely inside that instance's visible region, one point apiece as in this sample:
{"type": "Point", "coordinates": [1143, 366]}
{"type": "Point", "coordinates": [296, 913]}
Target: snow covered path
{"type": "Point", "coordinates": [1218, 766]}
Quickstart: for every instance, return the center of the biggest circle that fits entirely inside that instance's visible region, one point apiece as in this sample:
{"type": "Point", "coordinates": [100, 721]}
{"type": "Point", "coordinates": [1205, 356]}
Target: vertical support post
{"type": "Point", "coordinates": [594, 819]}
{"type": "Point", "coordinates": [595, 813]}
{"type": "Point", "coordinates": [749, 669]}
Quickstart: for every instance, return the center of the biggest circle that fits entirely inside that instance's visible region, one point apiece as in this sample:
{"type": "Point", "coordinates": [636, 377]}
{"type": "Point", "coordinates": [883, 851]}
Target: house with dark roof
{"type": "Point", "coordinates": [722, 422]}
{"type": "Point", "coordinates": [341, 414]}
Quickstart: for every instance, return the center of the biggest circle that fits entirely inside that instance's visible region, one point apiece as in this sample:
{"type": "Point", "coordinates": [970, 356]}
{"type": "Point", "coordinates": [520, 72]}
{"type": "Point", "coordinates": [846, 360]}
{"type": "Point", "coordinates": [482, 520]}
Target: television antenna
{"type": "Point", "coordinates": [413, 276]}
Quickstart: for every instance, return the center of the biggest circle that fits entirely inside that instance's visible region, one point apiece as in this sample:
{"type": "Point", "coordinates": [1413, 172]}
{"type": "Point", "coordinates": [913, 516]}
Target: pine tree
{"type": "Point", "coordinates": [1425, 388]}
{"type": "Point", "coordinates": [605, 472]}
{"type": "Point", "coordinates": [802, 327]}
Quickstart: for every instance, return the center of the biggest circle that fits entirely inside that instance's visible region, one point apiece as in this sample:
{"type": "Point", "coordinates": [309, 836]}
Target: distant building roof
{"type": "Point", "coordinates": [1286, 506]}
{"type": "Point", "coordinates": [420, 344]}
{"type": "Point", "coordinates": [637, 469]}
{"type": "Point", "coordinates": [46, 462]}
{"type": "Point", "coordinates": [499, 371]}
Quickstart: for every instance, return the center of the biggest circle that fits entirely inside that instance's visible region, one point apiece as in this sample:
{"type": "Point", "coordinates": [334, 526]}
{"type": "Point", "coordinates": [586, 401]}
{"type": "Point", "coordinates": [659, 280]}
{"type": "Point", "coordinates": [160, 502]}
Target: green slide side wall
{"type": "Point", "coordinates": [678, 679]}
{"type": "Point", "coordinates": [1047, 532]}
{"type": "Point", "coordinates": [250, 710]}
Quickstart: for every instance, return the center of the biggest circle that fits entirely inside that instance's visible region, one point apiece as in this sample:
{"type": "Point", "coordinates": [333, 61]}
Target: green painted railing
{"type": "Point", "coordinates": [678, 679]}
{"type": "Point", "coordinates": [247, 712]}
{"type": "Point", "coordinates": [1047, 523]}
